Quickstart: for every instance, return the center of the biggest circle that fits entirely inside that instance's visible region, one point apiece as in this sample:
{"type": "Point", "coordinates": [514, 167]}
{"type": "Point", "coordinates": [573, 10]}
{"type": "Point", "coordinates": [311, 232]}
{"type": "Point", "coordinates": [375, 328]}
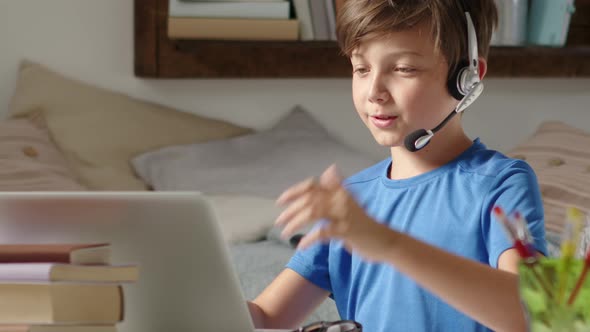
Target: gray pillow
{"type": "Point", "coordinates": [263, 164]}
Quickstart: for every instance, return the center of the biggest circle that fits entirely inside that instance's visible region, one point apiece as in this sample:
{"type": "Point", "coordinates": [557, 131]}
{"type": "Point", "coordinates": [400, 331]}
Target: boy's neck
{"type": "Point", "coordinates": [443, 148]}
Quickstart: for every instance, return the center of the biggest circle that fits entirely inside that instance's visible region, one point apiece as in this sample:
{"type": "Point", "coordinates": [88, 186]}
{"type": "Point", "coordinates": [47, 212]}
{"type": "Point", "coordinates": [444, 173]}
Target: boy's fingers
{"type": "Point", "coordinates": [319, 234]}
{"type": "Point", "coordinates": [296, 190]}
{"type": "Point", "coordinates": [340, 204]}
{"type": "Point", "coordinates": [331, 177]}
{"type": "Point", "coordinates": [304, 217]}
{"type": "Point", "coordinates": [294, 208]}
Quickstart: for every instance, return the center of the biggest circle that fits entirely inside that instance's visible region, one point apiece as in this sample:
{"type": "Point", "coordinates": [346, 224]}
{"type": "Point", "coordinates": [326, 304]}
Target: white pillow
{"type": "Point", "coordinates": [262, 164]}
{"type": "Point", "coordinates": [244, 218]}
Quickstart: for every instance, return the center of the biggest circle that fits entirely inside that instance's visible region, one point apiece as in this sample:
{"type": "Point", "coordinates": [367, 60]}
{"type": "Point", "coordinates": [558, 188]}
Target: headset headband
{"type": "Point", "coordinates": [472, 43]}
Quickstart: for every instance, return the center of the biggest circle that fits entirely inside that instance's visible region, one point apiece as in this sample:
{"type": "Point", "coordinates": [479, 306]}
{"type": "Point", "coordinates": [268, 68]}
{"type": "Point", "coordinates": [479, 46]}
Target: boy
{"type": "Point", "coordinates": [409, 244]}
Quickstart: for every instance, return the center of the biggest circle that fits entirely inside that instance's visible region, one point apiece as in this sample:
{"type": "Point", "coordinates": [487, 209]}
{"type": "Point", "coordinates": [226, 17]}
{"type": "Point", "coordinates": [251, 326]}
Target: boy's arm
{"type": "Point", "coordinates": [486, 294]}
{"type": "Point", "coordinates": [286, 302]}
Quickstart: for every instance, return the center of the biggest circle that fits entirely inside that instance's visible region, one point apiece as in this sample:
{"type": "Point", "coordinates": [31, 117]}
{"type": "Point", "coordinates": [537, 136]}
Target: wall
{"type": "Point", "coordinates": [93, 41]}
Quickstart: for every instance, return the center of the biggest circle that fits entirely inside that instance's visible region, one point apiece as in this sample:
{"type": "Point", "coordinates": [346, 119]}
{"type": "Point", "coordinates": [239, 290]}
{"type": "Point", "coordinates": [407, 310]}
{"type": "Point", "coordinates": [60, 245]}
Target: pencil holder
{"type": "Point", "coordinates": [548, 292]}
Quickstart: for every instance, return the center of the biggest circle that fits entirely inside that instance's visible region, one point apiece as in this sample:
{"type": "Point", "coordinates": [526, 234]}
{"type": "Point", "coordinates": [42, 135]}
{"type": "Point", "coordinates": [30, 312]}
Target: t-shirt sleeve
{"type": "Point", "coordinates": [312, 264]}
{"type": "Point", "coordinates": [515, 189]}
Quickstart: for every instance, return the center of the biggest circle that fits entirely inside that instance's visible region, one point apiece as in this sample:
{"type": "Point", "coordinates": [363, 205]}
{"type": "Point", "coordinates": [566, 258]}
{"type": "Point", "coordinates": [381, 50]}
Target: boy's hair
{"type": "Point", "coordinates": [359, 20]}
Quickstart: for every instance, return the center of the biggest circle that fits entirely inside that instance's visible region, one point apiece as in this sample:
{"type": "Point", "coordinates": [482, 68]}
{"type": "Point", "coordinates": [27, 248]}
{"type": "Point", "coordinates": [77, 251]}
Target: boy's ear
{"type": "Point", "coordinates": [483, 67]}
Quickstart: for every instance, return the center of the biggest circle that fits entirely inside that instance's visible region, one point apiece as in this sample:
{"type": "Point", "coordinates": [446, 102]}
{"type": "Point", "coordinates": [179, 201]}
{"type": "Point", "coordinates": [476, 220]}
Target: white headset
{"type": "Point", "coordinates": [464, 84]}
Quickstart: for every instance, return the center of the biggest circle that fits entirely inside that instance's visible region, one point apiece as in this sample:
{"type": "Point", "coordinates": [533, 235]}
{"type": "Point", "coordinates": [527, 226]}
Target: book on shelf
{"type": "Point", "coordinates": [233, 29]}
{"type": "Point", "coordinates": [331, 16]}
{"type": "Point", "coordinates": [303, 14]}
{"type": "Point", "coordinates": [90, 253]}
{"type": "Point", "coordinates": [254, 10]}
{"type": "Point", "coordinates": [58, 328]}
{"type": "Point", "coordinates": [60, 303]}
{"type": "Point", "coordinates": [319, 18]}
{"type": "Point", "coordinates": [44, 272]}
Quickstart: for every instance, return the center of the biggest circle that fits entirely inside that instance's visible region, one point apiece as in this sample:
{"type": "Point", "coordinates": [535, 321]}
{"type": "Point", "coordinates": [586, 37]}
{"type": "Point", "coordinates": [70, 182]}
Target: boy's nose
{"type": "Point", "coordinates": [378, 92]}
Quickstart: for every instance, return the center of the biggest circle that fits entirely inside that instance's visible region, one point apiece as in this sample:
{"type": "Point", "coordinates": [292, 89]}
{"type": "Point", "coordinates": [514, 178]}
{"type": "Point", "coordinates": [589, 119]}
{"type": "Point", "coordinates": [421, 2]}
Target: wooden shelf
{"type": "Point", "coordinates": [570, 61]}
{"type": "Point", "coordinates": [157, 56]}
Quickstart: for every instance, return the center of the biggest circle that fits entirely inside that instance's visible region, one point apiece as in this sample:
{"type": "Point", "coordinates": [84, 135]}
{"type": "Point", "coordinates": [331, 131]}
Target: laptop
{"type": "Point", "coordinates": [187, 280]}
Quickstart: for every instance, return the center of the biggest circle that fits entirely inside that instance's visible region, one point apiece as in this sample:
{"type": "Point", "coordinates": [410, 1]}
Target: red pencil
{"type": "Point", "coordinates": [581, 279]}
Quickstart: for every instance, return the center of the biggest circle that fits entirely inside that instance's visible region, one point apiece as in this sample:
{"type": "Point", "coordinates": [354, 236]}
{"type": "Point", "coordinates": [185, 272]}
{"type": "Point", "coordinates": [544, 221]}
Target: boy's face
{"type": "Point", "coordinates": [399, 84]}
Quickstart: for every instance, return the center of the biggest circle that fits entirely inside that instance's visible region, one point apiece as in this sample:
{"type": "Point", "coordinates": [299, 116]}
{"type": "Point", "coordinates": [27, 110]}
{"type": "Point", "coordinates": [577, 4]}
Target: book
{"type": "Point", "coordinates": [65, 303]}
{"type": "Point", "coordinates": [303, 14]}
{"type": "Point", "coordinates": [319, 17]}
{"type": "Point", "coordinates": [254, 10]}
{"type": "Point", "coordinates": [331, 15]}
{"type": "Point", "coordinates": [91, 253]}
{"type": "Point", "coordinates": [232, 29]}
{"type": "Point", "coordinates": [58, 328]}
{"type": "Point", "coordinates": [39, 272]}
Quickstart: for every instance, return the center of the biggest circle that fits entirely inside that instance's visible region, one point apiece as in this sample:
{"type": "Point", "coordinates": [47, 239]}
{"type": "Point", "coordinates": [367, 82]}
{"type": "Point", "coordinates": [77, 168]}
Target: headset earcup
{"type": "Point", "coordinates": [454, 80]}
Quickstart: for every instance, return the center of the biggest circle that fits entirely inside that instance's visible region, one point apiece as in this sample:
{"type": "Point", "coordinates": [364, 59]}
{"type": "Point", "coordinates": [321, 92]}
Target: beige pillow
{"type": "Point", "coordinates": [29, 161]}
{"type": "Point", "coordinates": [100, 131]}
{"type": "Point", "coordinates": [560, 156]}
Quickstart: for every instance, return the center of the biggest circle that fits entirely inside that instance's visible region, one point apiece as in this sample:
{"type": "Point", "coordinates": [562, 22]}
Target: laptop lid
{"type": "Point", "coordinates": [187, 281]}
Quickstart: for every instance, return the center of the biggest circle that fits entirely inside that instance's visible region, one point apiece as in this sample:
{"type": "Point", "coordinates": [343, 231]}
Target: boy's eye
{"type": "Point", "coordinates": [360, 70]}
{"type": "Point", "coordinates": [405, 70]}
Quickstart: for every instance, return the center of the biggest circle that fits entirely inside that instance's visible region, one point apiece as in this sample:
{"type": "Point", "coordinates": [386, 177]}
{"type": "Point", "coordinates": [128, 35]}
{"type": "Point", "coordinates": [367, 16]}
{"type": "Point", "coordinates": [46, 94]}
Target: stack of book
{"type": "Point", "coordinates": [232, 20]}
{"type": "Point", "coordinates": [61, 287]}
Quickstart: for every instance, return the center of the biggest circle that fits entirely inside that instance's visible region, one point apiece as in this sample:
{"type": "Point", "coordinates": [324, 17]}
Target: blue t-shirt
{"type": "Point", "coordinates": [450, 208]}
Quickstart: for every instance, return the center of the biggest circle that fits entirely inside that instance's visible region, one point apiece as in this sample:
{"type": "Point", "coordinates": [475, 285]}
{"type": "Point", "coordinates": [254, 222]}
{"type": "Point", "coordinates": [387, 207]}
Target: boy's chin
{"type": "Point", "coordinates": [388, 139]}
{"type": "Point", "coordinates": [388, 142]}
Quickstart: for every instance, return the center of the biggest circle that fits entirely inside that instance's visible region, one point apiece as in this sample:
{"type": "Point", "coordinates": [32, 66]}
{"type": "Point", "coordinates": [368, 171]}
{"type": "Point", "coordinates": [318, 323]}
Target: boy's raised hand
{"type": "Point", "coordinates": [311, 200]}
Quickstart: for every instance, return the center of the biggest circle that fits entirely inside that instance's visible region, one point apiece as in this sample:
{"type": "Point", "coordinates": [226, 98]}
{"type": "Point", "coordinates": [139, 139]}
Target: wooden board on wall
{"type": "Point", "coordinates": [145, 30]}
{"type": "Point", "coordinates": [157, 56]}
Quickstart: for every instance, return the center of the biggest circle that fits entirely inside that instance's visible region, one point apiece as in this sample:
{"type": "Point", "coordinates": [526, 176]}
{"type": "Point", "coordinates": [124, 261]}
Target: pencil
{"type": "Point", "coordinates": [568, 249]}
{"type": "Point", "coordinates": [580, 280]}
{"type": "Point", "coordinates": [519, 238]}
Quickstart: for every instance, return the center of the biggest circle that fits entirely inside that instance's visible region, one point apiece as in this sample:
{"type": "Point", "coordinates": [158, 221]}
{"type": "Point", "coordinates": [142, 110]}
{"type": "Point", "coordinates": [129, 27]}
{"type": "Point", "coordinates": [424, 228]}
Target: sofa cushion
{"type": "Point", "coordinates": [30, 161]}
{"type": "Point", "coordinates": [560, 157]}
{"type": "Point", "coordinates": [99, 131]}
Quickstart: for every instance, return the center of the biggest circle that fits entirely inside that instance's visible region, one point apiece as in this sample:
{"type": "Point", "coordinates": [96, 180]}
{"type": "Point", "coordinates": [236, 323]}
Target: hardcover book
{"type": "Point", "coordinates": [92, 253]}
{"type": "Point", "coordinates": [254, 10]}
{"type": "Point", "coordinates": [58, 328]}
{"type": "Point", "coordinates": [44, 272]}
{"type": "Point", "coordinates": [65, 303]}
{"type": "Point", "coordinates": [232, 29]}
